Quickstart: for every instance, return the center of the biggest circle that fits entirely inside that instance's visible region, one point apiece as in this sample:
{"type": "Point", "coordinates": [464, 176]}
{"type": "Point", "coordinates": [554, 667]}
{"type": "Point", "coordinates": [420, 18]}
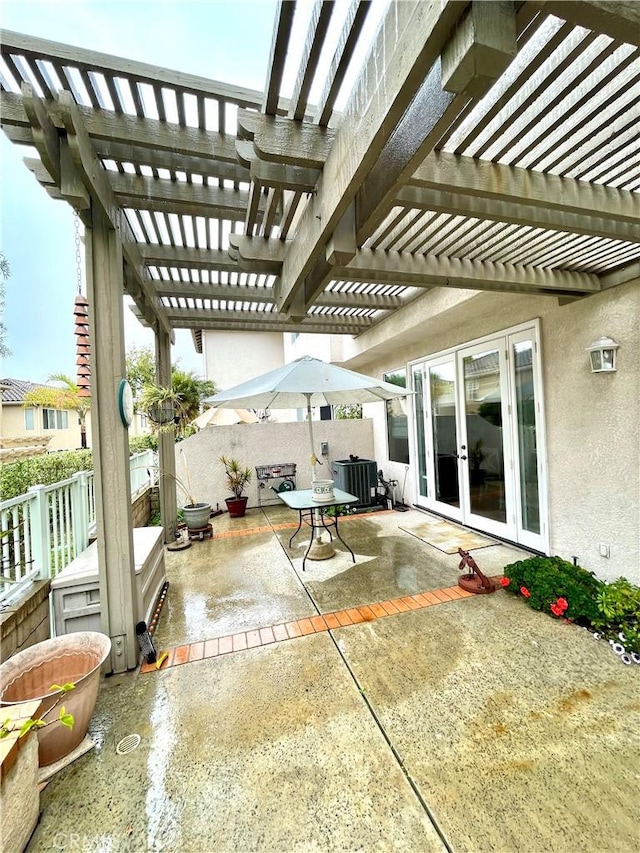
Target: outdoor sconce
{"type": "Point", "coordinates": [603, 355]}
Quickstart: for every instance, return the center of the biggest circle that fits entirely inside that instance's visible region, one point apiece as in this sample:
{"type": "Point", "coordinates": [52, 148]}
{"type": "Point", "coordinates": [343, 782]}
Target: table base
{"type": "Point", "coordinates": [320, 550]}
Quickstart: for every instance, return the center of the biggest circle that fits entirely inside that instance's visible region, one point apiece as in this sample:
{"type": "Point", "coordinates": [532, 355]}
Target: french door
{"type": "Point", "coordinates": [479, 437]}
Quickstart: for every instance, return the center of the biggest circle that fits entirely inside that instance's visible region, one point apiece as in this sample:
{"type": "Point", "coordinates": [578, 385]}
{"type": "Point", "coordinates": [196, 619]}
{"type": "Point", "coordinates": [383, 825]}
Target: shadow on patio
{"type": "Point", "coordinates": [461, 724]}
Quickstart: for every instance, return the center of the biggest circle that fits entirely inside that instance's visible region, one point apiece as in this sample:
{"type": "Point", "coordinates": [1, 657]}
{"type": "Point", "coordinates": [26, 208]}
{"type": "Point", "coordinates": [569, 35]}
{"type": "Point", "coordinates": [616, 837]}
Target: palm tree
{"type": "Point", "coordinates": [65, 397]}
{"type": "Point", "coordinates": [191, 390]}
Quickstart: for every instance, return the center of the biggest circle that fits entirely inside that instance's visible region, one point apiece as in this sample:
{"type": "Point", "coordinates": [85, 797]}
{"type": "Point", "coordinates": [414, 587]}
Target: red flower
{"type": "Point", "coordinates": [504, 581]}
{"type": "Point", "coordinates": [562, 604]}
{"type": "Point", "coordinates": [557, 611]}
{"type": "Point", "coordinates": [525, 592]}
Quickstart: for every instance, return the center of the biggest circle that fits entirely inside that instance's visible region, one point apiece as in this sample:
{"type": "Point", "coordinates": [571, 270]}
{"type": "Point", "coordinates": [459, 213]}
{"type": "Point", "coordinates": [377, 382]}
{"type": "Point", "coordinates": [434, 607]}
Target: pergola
{"type": "Point", "coordinates": [485, 145]}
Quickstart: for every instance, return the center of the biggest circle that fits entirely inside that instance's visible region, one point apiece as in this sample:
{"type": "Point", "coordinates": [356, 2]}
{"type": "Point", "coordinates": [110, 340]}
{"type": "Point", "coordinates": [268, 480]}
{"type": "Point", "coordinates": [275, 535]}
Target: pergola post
{"type": "Point", "coordinates": [110, 441]}
{"type": "Point", "coordinates": [166, 445]}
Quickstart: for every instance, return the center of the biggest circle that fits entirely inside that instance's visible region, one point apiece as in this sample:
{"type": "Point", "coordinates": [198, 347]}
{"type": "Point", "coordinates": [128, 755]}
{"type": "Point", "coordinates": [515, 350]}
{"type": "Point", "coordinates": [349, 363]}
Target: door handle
{"type": "Point", "coordinates": [461, 457]}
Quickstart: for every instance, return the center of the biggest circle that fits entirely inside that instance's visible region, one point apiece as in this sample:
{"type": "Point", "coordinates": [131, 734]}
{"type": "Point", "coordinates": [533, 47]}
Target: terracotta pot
{"type": "Point", "coordinates": [236, 506]}
{"type": "Point", "coordinates": [29, 675]}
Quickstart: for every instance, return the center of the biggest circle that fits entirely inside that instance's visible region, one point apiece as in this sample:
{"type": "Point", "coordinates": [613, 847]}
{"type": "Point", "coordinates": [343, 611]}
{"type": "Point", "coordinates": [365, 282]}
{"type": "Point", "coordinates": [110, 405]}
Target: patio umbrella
{"type": "Point", "coordinates": [303, 384]}
{"type": "Point", "coordinates": [225, 417]}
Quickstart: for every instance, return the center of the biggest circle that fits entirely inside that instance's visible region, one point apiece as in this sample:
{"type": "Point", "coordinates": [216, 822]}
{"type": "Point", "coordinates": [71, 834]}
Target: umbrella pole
{"type": "Point", "coordinates": [319, 550]}
{"type": "Point", "coordinates": [312, 459]}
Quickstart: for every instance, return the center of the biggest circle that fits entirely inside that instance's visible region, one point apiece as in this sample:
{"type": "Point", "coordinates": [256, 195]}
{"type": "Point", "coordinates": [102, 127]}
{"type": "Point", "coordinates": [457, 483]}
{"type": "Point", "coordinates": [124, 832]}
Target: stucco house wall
{"type": "Point", "coordinates": [234, 357]}
{"type": "Point", "coordinates": [61, 439]}
{"type": "Point", "coordinates": [592, 420]}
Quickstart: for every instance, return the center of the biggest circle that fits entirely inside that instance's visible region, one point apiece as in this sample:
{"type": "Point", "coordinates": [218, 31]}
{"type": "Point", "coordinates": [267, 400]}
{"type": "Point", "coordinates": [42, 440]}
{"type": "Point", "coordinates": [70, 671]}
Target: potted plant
{"type": "Point", "coordinates": [196, 513]}
{"type": "Point", "coordinates": [237, 479]}
{"type": "Point", "coordinates": [162, 405]}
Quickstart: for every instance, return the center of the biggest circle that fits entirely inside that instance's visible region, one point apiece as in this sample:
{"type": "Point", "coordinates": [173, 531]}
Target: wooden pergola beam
{"type": "Point", "coordinates": [94, 178]}
{"type": "Point", "coordinates": [281, 140]}
{"type": "Point", "coordinates": [251, 293]}
{"type": "Point", "coordinates": [517, 212]}
{"type": "Point", "coordinates": [437, 271]}
{"type": "Point", "coordinates": [34, 48]}
{"type": "Point", "coordinates": [411, 38]}
{"type": "Point", "coordinates": [178, 197]}
{"type": "Point", "coordinates": [302, 327]}
{"type": "Point", "coordinates": [187, 258]}
{"type": "Point", "coordinates": [155, 158]}
{"type": "Point", "coordinates": [109, 127]}
{"type": "Point", "coordinates": [318, 26]}
{"type": "Point", "coordinates": [278, 54]}
{"type": "Point", "coordinates": [263, 321]}
{"type": "Point", "coordinates": [351, 29]}
{"type": "Point", "coordinates": [511, 185]}
{"type": "Point", "coordinates": [619, 19]}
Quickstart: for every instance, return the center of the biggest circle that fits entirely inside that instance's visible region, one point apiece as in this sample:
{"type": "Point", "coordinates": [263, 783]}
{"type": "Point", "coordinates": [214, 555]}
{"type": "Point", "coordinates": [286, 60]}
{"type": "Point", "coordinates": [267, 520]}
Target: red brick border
{"type": "Point", "coordinates": [285, 631]}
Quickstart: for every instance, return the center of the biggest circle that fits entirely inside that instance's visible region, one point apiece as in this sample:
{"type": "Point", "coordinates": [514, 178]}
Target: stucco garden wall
{"type": "Point", "coordinates": [265, 444]}
{"type": "Point", "coordinates": [592, 420]}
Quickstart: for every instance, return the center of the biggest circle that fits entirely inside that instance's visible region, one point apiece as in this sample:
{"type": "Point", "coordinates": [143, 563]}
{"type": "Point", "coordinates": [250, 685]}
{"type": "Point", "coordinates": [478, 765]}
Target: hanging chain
{"type": "Point", "coordinates": [76, 227]}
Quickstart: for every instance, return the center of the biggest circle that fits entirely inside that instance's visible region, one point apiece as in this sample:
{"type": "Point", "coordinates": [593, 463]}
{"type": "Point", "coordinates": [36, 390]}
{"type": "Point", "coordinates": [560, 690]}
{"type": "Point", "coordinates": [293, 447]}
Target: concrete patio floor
{"type": "Point", "coordinates": [474, 725]}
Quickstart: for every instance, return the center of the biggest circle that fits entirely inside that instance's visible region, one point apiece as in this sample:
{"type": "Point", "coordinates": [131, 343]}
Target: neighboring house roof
{"type": "Point", "coordinates": [14, 390]}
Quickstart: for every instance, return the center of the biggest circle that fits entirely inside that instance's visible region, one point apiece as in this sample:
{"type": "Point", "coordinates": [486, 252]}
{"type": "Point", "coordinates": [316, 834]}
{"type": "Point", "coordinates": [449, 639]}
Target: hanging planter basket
{"type": "Point", "coordinates": [162, 413]}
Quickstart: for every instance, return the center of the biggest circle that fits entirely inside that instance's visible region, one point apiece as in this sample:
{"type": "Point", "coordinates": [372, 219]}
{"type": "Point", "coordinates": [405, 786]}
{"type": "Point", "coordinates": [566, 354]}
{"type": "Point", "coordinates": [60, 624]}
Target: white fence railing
{"type": "Point", "coordinates": [41, 532]}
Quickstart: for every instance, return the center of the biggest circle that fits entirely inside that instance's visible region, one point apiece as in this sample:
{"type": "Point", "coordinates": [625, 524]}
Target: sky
{"type": "Point", "coordinates": [226, 41]}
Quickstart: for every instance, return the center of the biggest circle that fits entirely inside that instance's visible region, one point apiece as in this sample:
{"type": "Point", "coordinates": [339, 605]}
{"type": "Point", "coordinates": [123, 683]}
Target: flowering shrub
{"type": "Point", "coordinates": [551, 584]}
{"type": "Point", "coordinates": [569, 592]}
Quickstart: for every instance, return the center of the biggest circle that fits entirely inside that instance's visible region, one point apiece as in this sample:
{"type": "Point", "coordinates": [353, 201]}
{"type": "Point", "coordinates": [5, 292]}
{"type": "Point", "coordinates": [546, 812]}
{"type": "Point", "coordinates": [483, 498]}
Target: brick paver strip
{"type": "Point", "coordinates": [226, 645]}
{"type": "Point", "coordinates": [196, 651]}
{"type": "Point", "coordinates": [304, 627]}
{"type": "Point", "coordinates": [253, 639]}
{"type": "Point", "coordinates": [239, 642]}
{"type": "Point", "coordinates": [293, 630]}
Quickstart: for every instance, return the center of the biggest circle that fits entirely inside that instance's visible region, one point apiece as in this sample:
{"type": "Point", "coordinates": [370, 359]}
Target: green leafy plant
{"type": "Point", "coordinates": [237, 476]}
{"type": "Point", "coordinates": [162, 405]}
{"type": "Point", "coordinates": [7, 726]}
{"type": "Point", "coordinates": [619, 606]}
{"type": "Point", "coordinates": [339, 510]}
{"type": "Point", "coordinates": [542, 581]}
{"type": "Point", "coordinates": [140, 443]}
{"type": "Point", "coordinates": [16, 478]}
{"type": "Point", "coordinates": [557, 587]}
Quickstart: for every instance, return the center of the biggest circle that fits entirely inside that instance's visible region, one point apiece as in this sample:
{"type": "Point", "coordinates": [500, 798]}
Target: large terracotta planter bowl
{"type": "Point", "coordinates": [29, 675]}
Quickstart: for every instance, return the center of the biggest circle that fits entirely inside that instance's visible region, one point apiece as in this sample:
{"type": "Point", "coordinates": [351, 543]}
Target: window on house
{"type": "Point", "coordinates": [473, 389]}
{"type": "Point", "coordinates": [54, 419]}
{"type": "Point", "coordinates": [397, 423]}
{"type": "Point", "coordinates": [29, 419]}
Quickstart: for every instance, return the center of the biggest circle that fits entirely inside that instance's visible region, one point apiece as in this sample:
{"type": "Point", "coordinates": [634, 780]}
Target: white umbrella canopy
{"type": "Point", "coordinates": [225, 417]}
{"type": "Point", "coordinates": [303, 384]}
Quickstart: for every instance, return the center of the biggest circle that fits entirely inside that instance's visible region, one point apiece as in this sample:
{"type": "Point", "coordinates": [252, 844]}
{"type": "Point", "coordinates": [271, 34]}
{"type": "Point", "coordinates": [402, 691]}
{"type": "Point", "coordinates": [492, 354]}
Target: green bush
{"type": "Point", "coordinates": [547, 579]}
{"type": "Point", "coordinates": [143, 442]}
{"type": "Point", "coordinates": [16, 478]}
{"type": "Point", "coordinates": [559, 588]}
{"type": "Point", "coordinates": [619, 606]}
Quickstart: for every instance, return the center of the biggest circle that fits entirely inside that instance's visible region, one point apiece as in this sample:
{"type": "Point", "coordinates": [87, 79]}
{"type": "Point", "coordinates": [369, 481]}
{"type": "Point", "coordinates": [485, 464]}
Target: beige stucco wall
{"type": "Point", "coordinates": [61, 439]}
{"type": "Point", "coordinates": [593, 443]}
{"type": "Point", "coordinates": [265, 444]}
{"type": "Point", "coordinates": [234, 357]}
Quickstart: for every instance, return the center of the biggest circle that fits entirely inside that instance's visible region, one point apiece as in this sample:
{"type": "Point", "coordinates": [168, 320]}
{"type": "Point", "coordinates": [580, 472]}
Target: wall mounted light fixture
{"type": "Point", "coordinates": [602, 354]}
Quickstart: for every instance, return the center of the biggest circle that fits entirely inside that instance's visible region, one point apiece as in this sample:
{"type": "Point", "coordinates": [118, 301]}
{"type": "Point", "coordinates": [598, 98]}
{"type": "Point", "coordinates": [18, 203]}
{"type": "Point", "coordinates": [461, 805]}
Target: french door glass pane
{"type": "Point", "coordinates": [483, 409]}
{"type": "Point", "coordinates": [527, 444]}
{"type": "Point", "coordinates": [419, 412]}
{"type": "Point", "coordinates": [445, 439]}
